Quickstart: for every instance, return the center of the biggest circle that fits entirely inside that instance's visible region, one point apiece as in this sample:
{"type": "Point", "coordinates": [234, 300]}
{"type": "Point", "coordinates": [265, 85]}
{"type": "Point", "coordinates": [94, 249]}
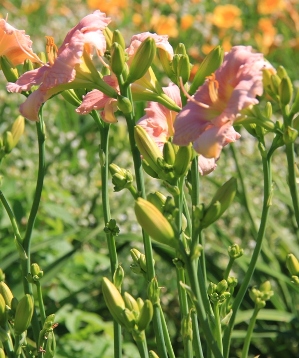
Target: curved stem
{"type": "Point", "coordinates": [266, 160]}
{"type": "Point", "coordinates": [249, 333]}
{"type": "Point", "coordinates": [104, 155]}
{"type": "Point", "coordinates": [218, 333]}
{"type": "Point", "coordinates": [166, 335]}
{"type": "Point", "coordinates": [40, 302]}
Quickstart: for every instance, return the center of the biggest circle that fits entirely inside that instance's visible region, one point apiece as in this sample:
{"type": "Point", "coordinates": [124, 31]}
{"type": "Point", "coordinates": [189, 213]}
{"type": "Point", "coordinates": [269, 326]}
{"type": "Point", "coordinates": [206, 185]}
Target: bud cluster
{"type": "Point", "coordinates": [219, 293]}
{"type": "Point", "coordinates": [292, 264]}
{"type": "Point", "coordinates": [10, 138]}
{"type": "Point", "coordinates": [139, 262]}
{"type": "Point", "coordinates": [261, 295]}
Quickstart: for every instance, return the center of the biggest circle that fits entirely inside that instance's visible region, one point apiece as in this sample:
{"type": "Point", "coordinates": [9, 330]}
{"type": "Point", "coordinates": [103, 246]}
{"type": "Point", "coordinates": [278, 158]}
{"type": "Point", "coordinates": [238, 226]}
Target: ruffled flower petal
{"type": "Point", "coordinates": [15, 45]}
{"type": "Point", "coordinates": [205, 165]}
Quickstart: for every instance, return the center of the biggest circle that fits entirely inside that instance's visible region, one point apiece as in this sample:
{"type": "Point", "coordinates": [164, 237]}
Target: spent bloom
{"type": "Point", "coordinates": [15, 45]}
{"type": "Point", "coordinates": [207, 119]}
{"type": "Point", "coordinates": [65, 65]}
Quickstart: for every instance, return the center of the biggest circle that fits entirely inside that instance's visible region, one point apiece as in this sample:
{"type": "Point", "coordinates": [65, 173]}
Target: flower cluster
{"type": "Point", "coordinates": [206, 120]}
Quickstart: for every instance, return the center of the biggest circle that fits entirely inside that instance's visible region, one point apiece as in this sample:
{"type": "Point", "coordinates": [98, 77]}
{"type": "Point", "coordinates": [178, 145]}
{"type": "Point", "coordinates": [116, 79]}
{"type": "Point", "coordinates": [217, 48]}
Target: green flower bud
{"type": "Point", "coordinates": [140, 303]}
{"type": "Point", "coordinates": [145, 316]}
{"type": "Point", "coordinates": [275, 82]}
{"type": "Point", "coordinates": [114, 301]}
{"type": "Point", "coordinates": [259, 303]}
{"type": "Point", "coordinates": [129, 319]}
{"type": "Point", "coordinates": [2, 276]}
{"type": "Point", "coordinates": [166, 64]}
{"type": "Point", "coordinates": [292, 265]}
{"type": "Point", "coordinates": [118, 37]}
{"type": "Point", "coordinates": [147, 147]}
{"type": "Point", "coordinates": [36, 272]}
{"type": "Point", "coordinates": [154, 223]}
{"type": "Point", "coordinates": [112, 228]}
{"type": "Point", "coordinates": [8, 142]}
{"type": "Point", "coordinates": [108, 37]}
{"type": "Point", "coordinates": [17, 129]}
{"type": "Point", "coordinates": [50, 345]}
{"type": "Point", "coordinates": [152, 354]}
{"type": "Point", "coordinates": [186, 328]}
{"type": "Point", "coordinates": [169, 153]}
{"type": "Point", "coordinates": [3, 314]}
{"type": "Point", "coordinates": [6, 293]}
{"type": "Point", "coordinates": [285, 90]}
{"type": "Point", "coordinates": [268, 110]}
{"type": "Point", "coordinates": [183, 160]}
{"type": "Point", "coordinates": [281, 72]}
{"type": "Point", "coordinates": [142, 60]}
{"type": "Point", "coordinates": [295, 105]}
{"type": "Point", "coordinates": [131, 303]}
{"type": "Point", "coordinates": [146, 167]}
{"type": "Point", "coordinates": [118, 277]}
{"type": "Point", "coordinates": [24, 314]}
{"type": "Point", "coordinates": [124, 104]}
{"type": "Point", "coordinates": [209, 65]}
{"type": "Point", "coordinates": [211, 288]}
{"type": "Point", "coordinates": [180, 49]}
{"type": "Point", "coordinates": [135, 254]}
{"type": "Point", "coordinates": [221, 287]}
{"type": "Point", "coordinates": [118, 59]}
{"type": "Point", "coordinates": [235, 251]}
{"type": "Point", "coordinates": [289, 135]}
{"type": "Point", "coordinates": [2, 354]}
{"type": "Point", "coordinates": [225, 320]}
{"type": "Point", "coordinates": [11, 74]}
{"type": "Point", "coordinates": [153, 291]}
{"type": "Point", "coordinates": [184, 68]}
{"type": "Point", "coordinates": [295, 280]}
{"type": "Point", "coordinates": [232, 282]}
{"type": "Point", "coordinates": [157, 199]}
{"type": "Point", "coordinates": [224, 196]}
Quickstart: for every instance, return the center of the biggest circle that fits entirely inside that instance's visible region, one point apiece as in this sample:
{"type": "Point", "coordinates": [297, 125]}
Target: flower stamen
{"type": "Point", "coordinates": [200, 104]}
{"type": "Point", "coordinates": [213, 85]}
{"type": "Point", "coordinates": [51, 49]}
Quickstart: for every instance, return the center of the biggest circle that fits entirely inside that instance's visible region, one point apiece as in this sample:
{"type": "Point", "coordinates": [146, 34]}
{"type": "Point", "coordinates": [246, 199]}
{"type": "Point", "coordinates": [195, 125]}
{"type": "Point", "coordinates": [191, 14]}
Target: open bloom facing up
{"type": "Point", "coordinates": [207, 121]}
{"type": "Point", "coordinates": [62, 67]}
{"type": "Point", "coordinates": [15, 45]}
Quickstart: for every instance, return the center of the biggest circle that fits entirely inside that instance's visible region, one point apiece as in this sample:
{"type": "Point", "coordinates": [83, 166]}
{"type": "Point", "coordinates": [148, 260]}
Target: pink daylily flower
{"type": "Point", "coordinates": [15, 45]}
{"type": "Point", "coordinates": [61, 70]}
{"type": "Point", "coordinates": [98, 100]}
{"type": "Point", "coordinates": [159, 124]}
{"type": "Point", "coordinates": [208, 120]}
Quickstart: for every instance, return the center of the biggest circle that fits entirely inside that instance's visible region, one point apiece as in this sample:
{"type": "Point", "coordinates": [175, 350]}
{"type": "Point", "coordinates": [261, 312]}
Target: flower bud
{"type": "Point", "coordinates": [3, 315]}
{"type": "Point", "coordinates": [183, 160]}
{"type": "Point", "coordinates": [153, 291]}
{"type": "Point", "coordinates": [24, 314]}
{"type": "Point", "coordinates": [6, 293]}
{"type": "Point", "coordinates": [2, 354]}
{"type": "Point", "coordinates": [147, 147]}
{"type": "Point", "coordinates": [285, 91]}
{"type": "Point", "coordinates": [146, 167]}
{"type": "Point", "coordinates": [124, 104]}
{"type": "Point", "coordinates": [154, 223]}
{"type": "Point", "coordinates": [166, 63]}
{"type": "Point", "coordinates": [295, 105]}
{"type": "Point", "coordinates": [145, 315]}
{"type": "Point", "coordinates": [118, 277]}
{"type": "Point", "coordinates": [235, 251]}
{"type": "Point", "coordinates": [152, 354]}
{"type": "Point", "coordinates": [281, 72]}
{"type": "Point", "coordinates": [8, 142]}
{"type": "Point", "coordinates": [211, 214]}
{"type": "Point", "coordinates": [275, 82]}
{"type": "Point", "coordinates": [50, 345]}
{"type": "Point", "coordinates": [17, 129]}
{"type": "Point", "coordinates": [289, 135]}
{"type": "Point", "coordinates": [117, 58]}
{"type": "Point", "coordinates": [157, 199]}
{"type": "Point", "coordinates": [11, 74]}
{"type": "Point", "coordinates": [140, 303]}
{"type": "Point", "coordinates": [169, 153]}
{"type": "Point", "coordinates": [259, 303]}
{"type": "Point", "coordinates": [36, 272]}
{"type": "Point", "coordinates": [221, 287]}
{"type": "Point", "coordinates": [186, 327]}
{"type": "Point", "coordinates": [142, 60]}
{"type": "Point", "coordinates": [108, 37]}
{"type": "Point", "coordinates": [184, 68]}
{"type": "Point", "coordinates": [129, 319]}
{"type": "Point", "coordinates": [292, 265]}
{"type": "Point", "coordinates": [268, 110]}
{"type": "Point", "coordinates": [118, 38]}
{"type": "Point", "coordinates": [114, 301]}
{"type": "Point", "coordinates": [131, 303]}
{"type": "Point", "coordinates": [209, 65]}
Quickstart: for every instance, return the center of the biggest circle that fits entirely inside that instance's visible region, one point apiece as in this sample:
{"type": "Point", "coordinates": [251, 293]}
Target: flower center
{"type": "Point", "coordinates": [213, 85]}
{"type": "Point", "coordinates": [51, 49]}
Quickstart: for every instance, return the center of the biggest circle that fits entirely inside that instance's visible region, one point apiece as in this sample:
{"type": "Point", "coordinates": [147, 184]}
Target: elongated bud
{"type": "Point", "coordinates": [275, 82]}
{"type": "Point", "coordinates": [158, 199]}
{"type": "Point", "coordinates": [221, 287]}
{"type": "Point", "coordinates": [3, 315]}
{"type": "Point", "coordinates": [292, 265]}
{"type": "Point", "coordinates": [117, 58]}
{"type": "Point", "coordinates": [153, 354]}
{"type": "Point", "coordinates": [142, 60]}
{"type": "Point", "coordinates": [147, 148]}
{"type": "Point", "coordinates": [184, 68]}
{"type": "Point", "coordinates": [281, 72]}
{"type": "Point", "coordinates": [114, 301]}
{"type": "Point", "coordinates": [124, 104]}
{"type": "Point", "coordinates": [154, 223]}
{"type": "Point", "coordinates": [129, 319]}
{"type": "Point", "coordinates": [6, 293]}
{"type": "Point", "coordinates": [186, 328]}
{"type": "Point", "coordinates": [24, 314]}
{"type": "Point", "coordinates": [118, 37]}
{"type": "Point", "coordinates": [268, 110]}
{"type": "Point", "coordinates": [145, 315]}
{"type": "Point", "coordinates": [8, 141]}
{"type": "Point", "coordinates": [147, 168]}
{"type": "Point", "coordinates": [50, 345]}
{"type": "Point", "coordinates": [183, 160]}
{"type": "Point", "coordinates": [169, 153]}
{"type": "Point", "coordinates": [130, 303]}
{"type": "Point", "coordinates": [285, 90]}
{"type": "Point", "coordinates": [209, 65]}
{"type": "Point", "coordinates": [224, 196]}
{"type": "Point", "coordinates": [11, 74]}
{"type": "Point", "coordinates": [295, 105]}
{"type": "Point", "coordinates": [108, 37]}
{"type": "Point", "coordinates": [153, 291]}
{"type": "Point", "coordinates": [27, 66]}
{"type": "Point", "coordinates": [166, 63]}
{"type": "Point", "coordinates": [17, 129]}
{"type": "Point", "coordinates": [118, 277]}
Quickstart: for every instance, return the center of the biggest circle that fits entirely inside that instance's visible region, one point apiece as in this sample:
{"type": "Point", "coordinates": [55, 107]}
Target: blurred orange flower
{"type": "Point", "coordinates": [109, 7]}
{"type": "Point", "coordinates": [186, 21]}
{"type": "Point", "coordinates": [165, 25]}
{"type": "Point", "coordinates": [269, 6]}
{"type": "Point", "coordinates": [265, 38]}
{"type": "Point", "coordinates": [227, 16]}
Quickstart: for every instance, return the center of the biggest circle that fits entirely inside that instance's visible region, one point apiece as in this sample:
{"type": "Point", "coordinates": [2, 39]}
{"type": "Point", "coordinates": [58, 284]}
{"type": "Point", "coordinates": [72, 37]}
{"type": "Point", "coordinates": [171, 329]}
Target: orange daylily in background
{"type": "Point", "coordinates": [266, 7]}
{"type": "Point", "coordinates": [227, 16]}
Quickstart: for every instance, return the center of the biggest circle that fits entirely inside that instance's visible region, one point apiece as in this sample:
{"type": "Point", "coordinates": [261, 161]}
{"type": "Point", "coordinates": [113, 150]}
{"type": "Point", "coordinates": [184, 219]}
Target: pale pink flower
{"type": "Point", "coordinates": [60, 71]}
{"type": "Point", "coordinates": [97, 100]}
{"type": "Point", "coordinates": [15, 45]}
{"type": "Point", "coordinates": [233, 87]}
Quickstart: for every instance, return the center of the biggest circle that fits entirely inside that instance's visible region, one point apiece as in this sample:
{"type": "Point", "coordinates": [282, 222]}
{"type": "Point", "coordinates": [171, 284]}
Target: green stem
{"type": "Point", "coordinates": [261, 232]}
{"type": "Point", "coordinates": [196, 336]}
{"type": "Point", "coordinates": [249, 332]}
{"type": "Point", "coordinates": [142, 347]}
{"type": "Point", "coordinates": [159, 332]}
{"type": "Point", "coordinates": [292, 179]}
{"type": "Point", "coordinates": [8, 346]}
{"type": "Point", "coordinates": [228, 268]}
{"type": "Point", "coordinates": [104, 155]}
{"type": "Point", "coordinates": [218, 333]}
{"type": "Point", "coordinates": [166, 335]}
{"type": "Point", "coordinates": [40, 302]}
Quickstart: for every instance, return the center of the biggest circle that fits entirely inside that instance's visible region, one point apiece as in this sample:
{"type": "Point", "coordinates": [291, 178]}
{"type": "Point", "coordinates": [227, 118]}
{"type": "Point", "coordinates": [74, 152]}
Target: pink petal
{"type": "Point", "coordinates": [92, 100]}
{"type": "Point", "coordinates": [27, 80]}
{"type": "Point", "coordinates": [15, 45]}
{"type": "Point", "coordinates": [205, 165]}
{"type": "Point", "coordinates": [30, 108]}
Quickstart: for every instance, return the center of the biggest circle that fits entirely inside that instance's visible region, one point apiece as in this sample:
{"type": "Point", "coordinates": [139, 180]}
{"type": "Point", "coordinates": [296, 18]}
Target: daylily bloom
{"type": "Point", "coordinates": [15, 45]}
{"type": "Point", "coordinates": [66, 68]}
{"type": "Point", "coordinates": [207, 119]}
{"type": "Point", "coordinates": [159, 124]}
